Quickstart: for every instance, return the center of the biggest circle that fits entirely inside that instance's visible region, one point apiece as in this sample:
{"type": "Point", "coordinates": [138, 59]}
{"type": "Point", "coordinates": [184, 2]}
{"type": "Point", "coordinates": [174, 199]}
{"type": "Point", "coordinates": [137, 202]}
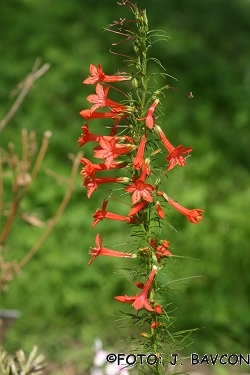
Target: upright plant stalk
{"type": "Point", "coordinates": [132, 156]}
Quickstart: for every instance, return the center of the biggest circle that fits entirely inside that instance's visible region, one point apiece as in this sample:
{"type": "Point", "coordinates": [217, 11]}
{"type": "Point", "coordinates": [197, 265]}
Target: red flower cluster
{"type": "Point", "coordinates": [131, 152]}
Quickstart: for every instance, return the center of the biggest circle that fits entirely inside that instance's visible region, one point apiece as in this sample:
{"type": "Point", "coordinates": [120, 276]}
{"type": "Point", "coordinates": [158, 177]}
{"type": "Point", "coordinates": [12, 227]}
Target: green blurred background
{"type": "Point", "coordinates": [64, 304]}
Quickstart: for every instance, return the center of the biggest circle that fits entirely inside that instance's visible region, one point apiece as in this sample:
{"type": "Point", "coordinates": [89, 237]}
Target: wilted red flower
{"type": "Point", "coordinates": [99, 250]}
{"type": "Point", "coordinates": [193, 215]}
{"type": "Point", "coordinates": [99, 76]}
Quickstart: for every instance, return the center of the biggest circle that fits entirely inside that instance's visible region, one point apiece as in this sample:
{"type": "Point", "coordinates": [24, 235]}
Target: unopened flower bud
{"type": "Point", "coordinates": [125, 179]}
{"type": "Point", "coordinates": [158, 309]}
{"type": "Point", "coordinates": [146, 335]}
{"type": "Point", "coordinates": [135, 82]}
{"type": "Point", "coordinates": [156, 152]}
{"type": "Point", "coordinates": [139, 285]}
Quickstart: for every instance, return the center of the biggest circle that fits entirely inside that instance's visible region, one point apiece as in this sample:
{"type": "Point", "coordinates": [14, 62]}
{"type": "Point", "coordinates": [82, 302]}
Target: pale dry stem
{"type": "Point", "coordinates": [53, 221]}
{"type": "Point", "coordinates": [26, 85]}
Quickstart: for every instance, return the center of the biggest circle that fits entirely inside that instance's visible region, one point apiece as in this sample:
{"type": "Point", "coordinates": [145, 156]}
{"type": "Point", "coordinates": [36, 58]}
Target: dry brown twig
{"type": "Point", "coordinates": [23, 176]}
{"type": "Point", "coordinates": [23, 179]}
{"type": "Point", "coordinates": [25, 87]}
{"type": "Point", "coordinates": [53, 221]}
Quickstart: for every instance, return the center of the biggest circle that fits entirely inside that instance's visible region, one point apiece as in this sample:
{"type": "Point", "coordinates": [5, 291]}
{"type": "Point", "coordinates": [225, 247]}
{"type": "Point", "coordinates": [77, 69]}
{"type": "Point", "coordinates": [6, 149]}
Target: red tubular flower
{"type": "Point", "coordinates": [88, 115]}
{"type": "Point", "coordinates": [193, 215]}
{"type": "Point", "coordinates": [159, 210]}
{"type": "Point", "coordinates": [87, 136]}
{"type": "Point", "coordinates": [126, 299]}
{"type": "Point", "coordinates": [139, 162]}
{"type": "Point", "coordinates": [175, 156]}
{"type": "Point", "coordinates": [91, 183]}
{"type": "Point", "coordinates": [137, 207]}
{"type": "Point", "coordinates": [150, 121]}
{"type": "Point", "coordinates": [101, 214]}
{"type": "Point", "coordinates": [111, 150]}
{"type": "Point", "coordinates": [140, 190]}
{"type": "Point", "coordinates": [99, 76]}
{"type": "Point", "coordinates": [155, 325]}
{"type": "Point", "coordinates": [100, 99]}
{"type": "Point", "coordinates": [99, 250]}
{"type": "Point", "coordinates": [140, 301]}
{"type": "Point", "coordinates": [90, 169]}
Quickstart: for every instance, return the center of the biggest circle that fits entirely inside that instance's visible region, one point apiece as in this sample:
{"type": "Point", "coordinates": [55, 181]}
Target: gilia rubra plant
{"type": "Point", "coordinates": [128, 155]}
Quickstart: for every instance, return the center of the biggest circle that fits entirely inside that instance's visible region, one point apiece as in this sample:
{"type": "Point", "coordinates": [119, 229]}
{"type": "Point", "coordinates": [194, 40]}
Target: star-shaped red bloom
{"type": "Point", "coordinates": [99, 76]}
{"type": "Point", "coordinates": [175, 154]}
{"type": "Point", "coordinates": [140, 190]}
{"type": "Point", "coordinates": [140, 301]}
{"type": "Point", "coordinates": [176, 157]}
{"type": "Point", "coordinates": [110, 150]}
{"type": "Point", "coordinates": [100, 100]}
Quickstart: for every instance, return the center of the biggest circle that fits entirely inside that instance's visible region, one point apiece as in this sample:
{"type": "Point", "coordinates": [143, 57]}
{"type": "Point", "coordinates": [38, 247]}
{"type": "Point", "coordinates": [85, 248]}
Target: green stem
{"type": "Point", "coordinates": [140, 48]}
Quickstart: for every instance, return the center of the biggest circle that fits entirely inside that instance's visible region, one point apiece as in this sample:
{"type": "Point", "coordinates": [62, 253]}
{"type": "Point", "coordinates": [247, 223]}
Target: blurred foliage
{"type": "Point", "coordinates": [20, 365]}
{"type": "Point", "coordinates": [64, 304]}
